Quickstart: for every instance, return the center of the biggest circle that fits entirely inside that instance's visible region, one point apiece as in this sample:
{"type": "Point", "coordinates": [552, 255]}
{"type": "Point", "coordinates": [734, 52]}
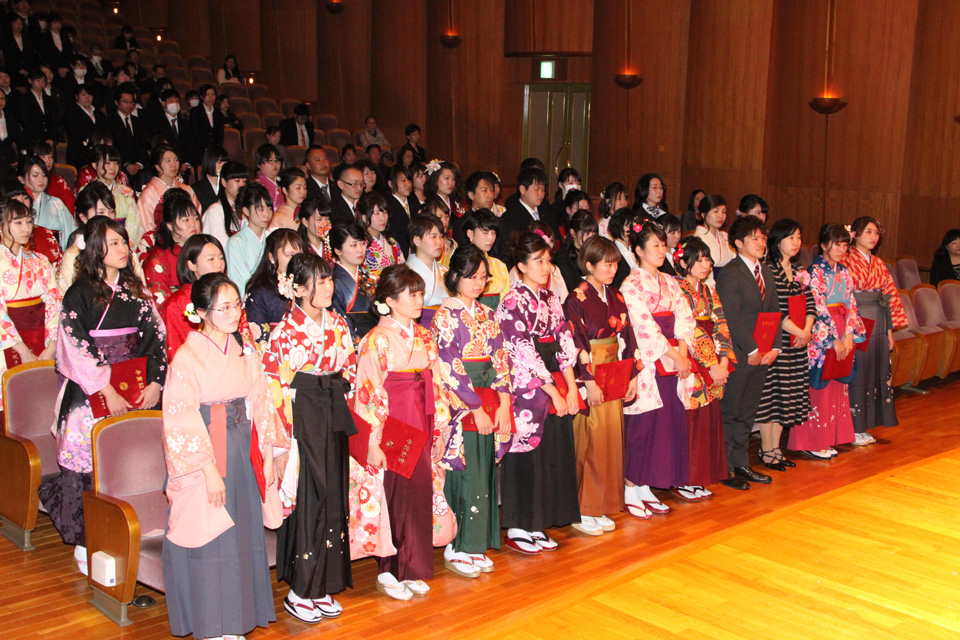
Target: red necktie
{"type": "Point", "coordinates": [759, 278]}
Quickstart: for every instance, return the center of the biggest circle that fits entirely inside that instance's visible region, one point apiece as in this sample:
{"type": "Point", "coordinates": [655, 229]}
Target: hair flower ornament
{"type": "Point", "coordinates": [637, 227]}
{"type": "Point", "coordinates": [433, 165]}
{"type": "Point", "coordinates": [81, 243]}
{"type": "Point", "coordinates": [286, 286]}
{"type": "Point", "coordinates": [678, 253]}
{"type": "Point", "coordinates": [190, 312]}
{"type": "Point", "coordinates": [850, 231]}
{"type": "Point", "coordinates": [382, 308]}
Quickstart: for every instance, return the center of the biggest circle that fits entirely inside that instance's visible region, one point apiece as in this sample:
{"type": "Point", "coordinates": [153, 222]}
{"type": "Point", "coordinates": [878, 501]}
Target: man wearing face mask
{"type": "Point", "coordinates": [175, 128]}
{"type": "Point", "coordinates": [79, 77]}
{"type": "Point", "coordinates": [554, 213]}
{"type": "Point", "coordinates": [101, 71]}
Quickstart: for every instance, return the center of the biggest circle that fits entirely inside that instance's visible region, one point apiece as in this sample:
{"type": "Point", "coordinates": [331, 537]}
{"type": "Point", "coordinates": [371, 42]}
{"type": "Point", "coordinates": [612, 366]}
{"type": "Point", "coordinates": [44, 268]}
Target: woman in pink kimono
{"type": "Point", "coordinates": [398, 376]}
{"type": "Point", "coordinates": [655, 426]}
{"type": "Point", "coordinates": [215, 565]}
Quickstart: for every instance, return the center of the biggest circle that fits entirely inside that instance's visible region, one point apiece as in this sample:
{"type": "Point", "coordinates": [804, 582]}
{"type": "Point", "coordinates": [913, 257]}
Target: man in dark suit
{"type": "Point", "coordinates": [38, 112]}
{"type": "Point", "coordinates": [54, 46]}
{"type": "Point", "coordinates": [531, 189]}
{"type": "Point", "coordinates": [319, 182]}
{"type": "Point", "coordinates": [343, 209]}
{"type": "Point", "coordinates": [101, 70]}
{"type": "Point", "coordinates": [78, 77]}
{"type": "Point", "coordinates": [527, 163]}
{"type": "Point", "coordinates": [746, 287]}
{"type": "Point", "coordinates": [129, 133]}
{"type": "Point", "coordinates": [298, 130]}
{"type": "Point", "coordinates": [10, 139]}
{"type": "Point", "coordinates": [399, 209]}
{"type": "Point", "coordinates": [207, 123]}
{"type": "Point", "coordinates": [413, 143]}
{"type": "Point", "coordinates": [175, 129]}
{"type": "Point", "coordinates": [479, 190]}
{"type": "Point", "coordinates": [80, 120]}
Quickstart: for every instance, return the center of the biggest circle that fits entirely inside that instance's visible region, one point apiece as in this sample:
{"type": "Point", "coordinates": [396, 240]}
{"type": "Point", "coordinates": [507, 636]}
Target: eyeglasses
{"type": "Point", "coordinates": [483, 278]}
{"type": "Point", "coordinates": [228, 308]}
{"type": "Point", "coordinates": [355, 185]}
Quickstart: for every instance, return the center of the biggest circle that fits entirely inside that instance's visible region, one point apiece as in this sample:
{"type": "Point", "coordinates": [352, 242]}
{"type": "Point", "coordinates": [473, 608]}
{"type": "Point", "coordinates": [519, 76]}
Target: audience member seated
{"type": "Point", "coordinates": [54, 47]}
{"type": "Point", "coordinates": [343, 210]}
{"type": "Point", "coordinates": [946, 259]}
{"type": "Point", "coordinates": [80, 120]}
{"type": "Point", "coordinates": [128, 131]}
{"type": "Point", "coordinates": [206, 121]}
{"type": "Point", "coordinates": [413, 144]}
{"type": "Point", "coordinates": [230, 71]}
{"type": "Point", "coordinates": [207, 187]}
{"type": "Point", "coordinates": [10, 139]}
{"type": "Point", "coordinates": [298, 130]}
{"type": "Point", "coordinates": [175, 129]}
{"type": "Point", "coordinates": [320, 184]}
{"type": "Point", "coordinates": [268, 160]}
{"type": "Point", "coordinates": [125, 40]}
{"type": "Point", "coordinates": [38, 113]}
{"type": "Point", "coordinates": [221, 220]}
{"type": "Point", "coordinates": [56, 186]}
{"type": "Point", "coordinates": [372, 135]}
{"type": "Point", "coordinates": [348, 158]}
{"type": "Point", "coordinates": [230, 119]}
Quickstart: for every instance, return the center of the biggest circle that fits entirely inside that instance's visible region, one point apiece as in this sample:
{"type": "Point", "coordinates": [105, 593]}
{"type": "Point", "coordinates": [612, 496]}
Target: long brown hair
{"type": "Point", "coordinates": [90, 267]}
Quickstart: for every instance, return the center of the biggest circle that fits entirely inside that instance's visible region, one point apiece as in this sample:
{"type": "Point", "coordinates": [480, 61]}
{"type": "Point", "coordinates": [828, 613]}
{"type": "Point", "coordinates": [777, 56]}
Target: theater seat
{"type": "Point", "coordinates": [804, 258]}
{"type": "Point", "coordinates": [907, 358]}
{"type": "Point", "coordinates": [339, 138]}
{"type": "Point", "coordinates": [233, 144]}
{"type": "Point", "coordinates": [929, 312]}
{"type": "Point", "coordinates": [932, 336]}
{"type": "Point", "coordinates": [296, 156]}
{"type": "Point", "coordinates": [233, 90]}
{"type": "Point", "coordinates": [892, 272]}
{"type": "Point", "coordinates": [250, 120]}
{"type": "Point", "coordinates": [908, 275]}
{"type": "Point", "coordinates": [28, 450]}
{"type": "Point", "coordinates": [326, 121]}
{"type": "Point", "coordinates": [949, 291]}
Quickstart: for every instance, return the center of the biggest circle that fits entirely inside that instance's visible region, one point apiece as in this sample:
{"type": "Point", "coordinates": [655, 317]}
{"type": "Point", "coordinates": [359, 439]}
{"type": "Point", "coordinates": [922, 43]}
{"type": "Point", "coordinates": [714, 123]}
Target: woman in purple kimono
{"type": "Point", "coordinates": [539, 474]}
{"type": "Point", "coordinates": [108, 316]}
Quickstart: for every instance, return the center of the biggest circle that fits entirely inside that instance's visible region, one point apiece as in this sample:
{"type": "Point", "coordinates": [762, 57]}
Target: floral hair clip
{"type": "Point", "coordinates": [678, 252]}
{"type": "Point", "coordinates": [382, 308]}
{"type": "Point", "coordinates": [286, 287]}
{"type": "Point", "coordinates": [637, 227]}
{"type": "Point", "coordinates": [433, 165]}
{"type": "Point", "coordinates": [81, 243]}
{"type": "Point", "coordinates": [191, 313]}
{"type": "Point", "coordinates": [542, 235]}
{"type": "Point", "coordinates": [849, 229]}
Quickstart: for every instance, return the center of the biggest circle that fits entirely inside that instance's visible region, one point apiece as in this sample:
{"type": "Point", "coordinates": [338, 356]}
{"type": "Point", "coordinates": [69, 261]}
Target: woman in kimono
{"type": "Point", "coordinates": [398, 376]}
{"type": "Point", "coordinates": [555, 282]}
{"type": "Point", "coordinates": [472, 356]}
{"type": "Point", "coordinates": [180, 221]}
{"type": "Point", "coordinates": [264, 305]}
{"type": "Point", "coordinates": [838, 326]}
{"type": "Point", "coordinates": [598, 319]}
{"type": "Point", "coordinates": [215, 565]}
{"type": "Point", "coordinates": [50, 211]}
{"type": "Point", "coordinates": [88, 173]}
{"type": "Point", "coordinates": [106, 162]}
{"type": "Point", "coordinates": [314, 227]}
{"type": "Point", "coordinates": [712, 350]}
{"type": "Point", "coordinates": [292, 183]}
{"type": "Point", "coordinates": [786, 390]}
{"type": "Point", "coordinates": [56, 186]}
{"type": "Point", "coordinates": [871, 394]}
{"type": "Point", "coordinates": [43, 241]}
{"type": "Point", "coordinates": [166, 163]}
{"type": "Point", "coordinates": [107, 317]}
{"type": "Point", "coordinates": [311, 364]}
{"type": "Point", "coordinates": [382, 250]}
{"type": "Point", "coordinates": [29, 297]}
{"type": "Point", "coordinates": [201, 254]}
{"type": "Point", "coordinates": [352, 283]}
{"type": "Point", "coordinates": [538, 475]}
{"type": "Point", "coordinates": [656, 444]}
{"type": "Point", "coordinates": [612, 199]}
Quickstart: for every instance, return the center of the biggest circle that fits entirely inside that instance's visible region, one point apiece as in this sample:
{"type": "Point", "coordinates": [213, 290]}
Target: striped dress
{"type": "Point", "coordinates": [786, 392]}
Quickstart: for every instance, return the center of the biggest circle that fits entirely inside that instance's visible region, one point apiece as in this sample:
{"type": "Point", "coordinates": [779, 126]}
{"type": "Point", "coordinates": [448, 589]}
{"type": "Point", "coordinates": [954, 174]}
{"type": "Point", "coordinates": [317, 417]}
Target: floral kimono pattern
{"type": "Point", "coordinates": [831, 285]}
{"type": "Point", "coordinates": [382, 252]}
{"type": "Point", "coordinates": [467, 334]}
{"type": "Point", "coordinates": [873, 274]}
{"type": "Point", "coordinates": [707, 349]}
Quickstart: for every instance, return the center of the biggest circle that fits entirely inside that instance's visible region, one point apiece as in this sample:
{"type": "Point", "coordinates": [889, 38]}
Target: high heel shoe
{"type": "Point", "coordinates": [771, 461]}
{"type": "Point", "coordinates": [790, 464]}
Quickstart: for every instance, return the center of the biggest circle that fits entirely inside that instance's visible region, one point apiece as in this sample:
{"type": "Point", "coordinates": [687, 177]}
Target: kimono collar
{"type": "Point", "coordinates": [15, 257]}
{"type": "Point", "coordinates": [408, 332]}
{"type": "Point", "coordinates": [474, 308]}
{"type": "Point", "coordinates": [866, 256]}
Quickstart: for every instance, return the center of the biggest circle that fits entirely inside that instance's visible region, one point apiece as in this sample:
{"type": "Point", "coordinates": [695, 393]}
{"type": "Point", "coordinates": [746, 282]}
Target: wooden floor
{"type": "Point", "coordinates": [864, 546]}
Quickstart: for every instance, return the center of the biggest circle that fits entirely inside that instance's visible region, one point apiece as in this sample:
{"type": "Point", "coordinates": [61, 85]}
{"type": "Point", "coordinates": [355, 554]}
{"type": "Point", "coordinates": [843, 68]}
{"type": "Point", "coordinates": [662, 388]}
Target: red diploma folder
{"type": "Point", "coordinates": [708, 379]}
{"type": "Point", "coordinates": [129, 379]}
{"type": "Point", "coordinates": [797, 306]}
{"type": "Point", "coordinates": [613, 378]}
{"type": "Point", "coordinates": [833, 368]}
{"type": "Point", "coordinates": [765, 331]}
{"type": "Point", "coordinates": [561, 385]}
{"type": "Point", "coordinates": [868, 326]}
{"type": "Point", "coordinates": [400, 443]}
{"type": "Point", "coordinates": [665, 366]}
{"type": "Point", "coordinates": [491, 402]}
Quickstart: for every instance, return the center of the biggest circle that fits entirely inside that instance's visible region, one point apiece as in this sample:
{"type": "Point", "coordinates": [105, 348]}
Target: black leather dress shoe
{"type": "Point", "coordinates": [735, 483]}
{"type": "Point", "coordinates": [750, 475]}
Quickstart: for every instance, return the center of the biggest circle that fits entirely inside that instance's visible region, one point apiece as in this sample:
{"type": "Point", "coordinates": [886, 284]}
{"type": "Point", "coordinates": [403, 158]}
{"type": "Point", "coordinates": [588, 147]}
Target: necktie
{"type": "Point", "coordinates": [301, 136]}
{"type": "Point", "coordinates": [406, 207]}
{"type": "Point", "coordinates": [126, 121]}
{"type": "Point", "coordinates": [176, 131]}
{"type": "Point", "coordinates": [759, 279]}
{"type": "Point", "coordinates": [536, 215]}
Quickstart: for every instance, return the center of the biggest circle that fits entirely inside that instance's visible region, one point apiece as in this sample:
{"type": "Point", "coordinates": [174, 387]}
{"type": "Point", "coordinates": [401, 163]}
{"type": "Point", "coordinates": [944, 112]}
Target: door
{"type": "Point", "coordinates": [556, 128]}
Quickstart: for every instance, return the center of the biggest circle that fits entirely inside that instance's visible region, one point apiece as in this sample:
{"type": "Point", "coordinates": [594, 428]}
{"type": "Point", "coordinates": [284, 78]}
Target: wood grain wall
{"type": "Point", "coordinates": [722, 107]}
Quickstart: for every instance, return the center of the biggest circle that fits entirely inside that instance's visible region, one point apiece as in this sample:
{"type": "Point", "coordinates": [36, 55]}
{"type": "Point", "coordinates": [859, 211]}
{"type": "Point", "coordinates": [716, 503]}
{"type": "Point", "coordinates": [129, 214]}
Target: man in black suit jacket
{"type": "Point", "coordinates": [207, 123]}
{"type": "Point", "coordinates": [293, 131]}
{"type": "Point", "coordinates": [100, 69]}
{"type": "Point", "coordinates": [399, 207]}
{"type": "Point", "coordinates": [54, 45]}
{"type": "Point", "coordinates": [743, 298]}
{"type": "Point", "coordinates": [128, 131]}
{"type": "Point", "coordinates": [80, 120]}
{"type": "Point", "coordinates": [38, 112]}
{"type": "Point", "coordinates": [175, 129]}
{"type": "Point", "coordinates": [319, 182]}
{"type": "Point", "coordinates": [531, 187]}
{"type": "Point", "coordinates": [10, 141]}
{"type": "Point", "coordinates": [413, 143]}
{"type": "Point", "coordinates": [479, 190]}
{"type": "Point", "coordinates": [343, 209]}
{"type": "Point", "coordinates": [79, 77]}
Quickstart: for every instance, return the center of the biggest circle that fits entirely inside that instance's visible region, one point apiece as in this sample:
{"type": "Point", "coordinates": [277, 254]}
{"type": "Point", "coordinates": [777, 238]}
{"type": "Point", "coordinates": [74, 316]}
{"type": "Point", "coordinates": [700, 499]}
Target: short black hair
{"type": "Point", "coordinates": [531, 176]}
{"type": "Point", "coordinates": [420, 225]}
{"type": "Point", "coordinates": [411, 129]}
{"type": "Point", "coordinates": [743, 227]}
{"type": "Point", "coordinates": [464, 263]}
{"type": "Point", "coordinates": [780, 230]}
{"type": "Point", "coordinates": [482, 219]}
{"type": "Point", "coordinates": [302, 109]}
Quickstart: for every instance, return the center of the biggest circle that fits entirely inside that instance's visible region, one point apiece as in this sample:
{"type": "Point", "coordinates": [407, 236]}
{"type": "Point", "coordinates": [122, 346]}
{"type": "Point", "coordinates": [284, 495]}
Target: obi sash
{"type": "Point", "coordinates": [665, 320]}
{"type": "Point", "coordinates": [875, 305]}
{"type": "Point", "coordinates": [234, 412]}
{"type": "Point", "coordinates": [482, 374]}
{"type": "Point", "coordinates": [27, 316]}
{"type": "Point", "coordinates": [313, 390]}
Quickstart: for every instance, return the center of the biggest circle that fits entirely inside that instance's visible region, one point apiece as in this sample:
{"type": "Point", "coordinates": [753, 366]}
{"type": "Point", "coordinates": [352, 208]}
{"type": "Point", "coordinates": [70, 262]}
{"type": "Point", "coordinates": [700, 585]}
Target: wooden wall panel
{"type": "Point", "coordinates": [398, 84]}
{"type": "Point", "coordinates": [639, 130]}
{"type": "Point", "coordinates": [343, 63]}
{"type": "Point", "coordinates": [726, 98]}
{"type": "Point", "coordinates": [546, 27]}
{"type": "Point", "coordinates": [287, 29]}
{"type": "Point", "coordinates": [189, 25]}
{"type": "Point", "coordinates": [235, 28]}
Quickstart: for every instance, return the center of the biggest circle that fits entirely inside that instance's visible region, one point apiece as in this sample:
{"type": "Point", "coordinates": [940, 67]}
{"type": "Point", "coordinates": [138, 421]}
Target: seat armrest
{"type": "Point", "coordinates": [20, 462]}
{"type": "Point", "coordinates": [112, 526]}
